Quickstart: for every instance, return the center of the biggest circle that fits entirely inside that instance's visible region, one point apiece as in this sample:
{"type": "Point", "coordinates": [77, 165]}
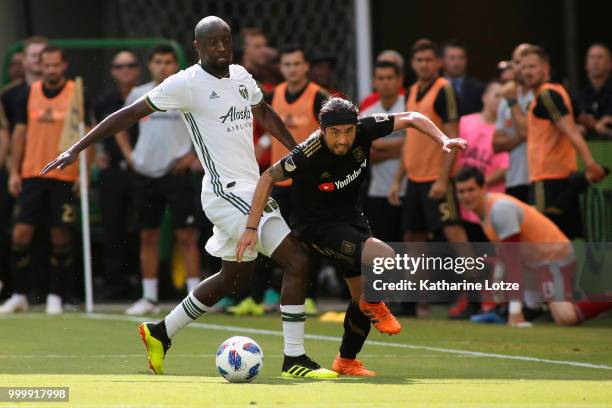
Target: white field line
{"type": "Point", "coordinates": [250, 330]}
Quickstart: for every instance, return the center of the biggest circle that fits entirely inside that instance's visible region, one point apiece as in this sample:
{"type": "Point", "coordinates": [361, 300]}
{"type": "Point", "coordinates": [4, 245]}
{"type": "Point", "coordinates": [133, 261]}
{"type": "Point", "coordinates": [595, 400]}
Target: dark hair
{"type": "Point", "coordinates": [453, 44]}
{"type": "Point", "coordinates": [335, 107]}
{"type": "Point", "coordinates": [162, 49]}
{"type": "Point", "coordinates": [52, 48]}
{"type": "Point", "coordinates": [599, 44]}
{"type": "Point", "coordinates": [467, 173]}
{"type": "Point", "coordinates": [387, 64]}
{"type": "Point", "coordinates": [250, 32]}
{"type": "Point", "coordinates": [537, 50]}
{"type": "Point", "coordinates": [291, 48]}
{"type": "Point", "coordinates": [425, 44]}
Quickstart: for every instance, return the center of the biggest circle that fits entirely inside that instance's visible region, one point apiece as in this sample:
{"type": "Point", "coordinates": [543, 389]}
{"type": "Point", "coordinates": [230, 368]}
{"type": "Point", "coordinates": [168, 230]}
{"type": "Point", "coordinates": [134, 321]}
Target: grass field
{"type": "Point", "coordinates": [432, 363]}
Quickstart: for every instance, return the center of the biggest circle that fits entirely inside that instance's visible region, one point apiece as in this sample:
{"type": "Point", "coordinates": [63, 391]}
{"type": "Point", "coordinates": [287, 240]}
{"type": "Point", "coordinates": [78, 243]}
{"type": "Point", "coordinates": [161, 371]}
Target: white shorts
{"type": "Point", "coordinates": [229, 216]}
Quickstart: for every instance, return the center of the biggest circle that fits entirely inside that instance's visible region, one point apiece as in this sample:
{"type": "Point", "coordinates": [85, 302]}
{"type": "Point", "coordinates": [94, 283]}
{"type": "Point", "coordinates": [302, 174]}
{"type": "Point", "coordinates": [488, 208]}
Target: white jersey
{"type": "Point", "coordinates": [217, 112]}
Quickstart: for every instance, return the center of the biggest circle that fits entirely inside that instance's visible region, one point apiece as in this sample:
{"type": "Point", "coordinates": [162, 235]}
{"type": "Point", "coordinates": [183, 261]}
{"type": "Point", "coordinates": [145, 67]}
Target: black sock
{"type": "Point", "coordinates": [61, 269]}
{"type": "Point", "coordinates": [20, 266]}
{"type": "Point", "coordinates": [356, 330]}
{"type": "Point", "coordinates": [159, 331]}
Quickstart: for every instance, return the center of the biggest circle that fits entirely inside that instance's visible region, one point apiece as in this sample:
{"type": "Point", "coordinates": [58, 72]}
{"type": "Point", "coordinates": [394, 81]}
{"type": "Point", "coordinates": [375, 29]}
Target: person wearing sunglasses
{"type": "Point", "coordinates": [116, 201]}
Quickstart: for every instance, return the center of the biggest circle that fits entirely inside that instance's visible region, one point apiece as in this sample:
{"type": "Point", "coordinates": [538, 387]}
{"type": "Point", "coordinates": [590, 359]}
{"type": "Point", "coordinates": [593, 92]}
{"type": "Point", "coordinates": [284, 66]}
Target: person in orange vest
{"type": "Point", "coordinates": [552, 143]}
{"type": "Point", "coordinates": [430, 207]}
{"type": "Point", "coordinates": [548, 256]}
{"type": "Point", "coordinates": [42, 199]}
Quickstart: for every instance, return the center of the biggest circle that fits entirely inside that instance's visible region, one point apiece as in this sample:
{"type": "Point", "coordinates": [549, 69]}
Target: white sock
{"type": "Point", "coordinates": [532, 298]}
{"type": "Point", "coordinates": [294, 319]}
{"type": "Point", "coordinates": [149, 289]}
{"type": "Point", "coordinates": [192, 283]}
{"type": "Point", "coordinates": [184, 313]}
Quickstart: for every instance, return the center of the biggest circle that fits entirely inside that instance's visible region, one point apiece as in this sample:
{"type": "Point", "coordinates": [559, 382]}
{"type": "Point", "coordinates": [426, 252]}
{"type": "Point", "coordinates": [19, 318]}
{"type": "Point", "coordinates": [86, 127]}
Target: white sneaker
{"type": "Point", "coordinates": [16, 303]}
{"type": "Point", "coordinates": [142, 307]}
{"type": "Point", "coordinates": [54, 304]}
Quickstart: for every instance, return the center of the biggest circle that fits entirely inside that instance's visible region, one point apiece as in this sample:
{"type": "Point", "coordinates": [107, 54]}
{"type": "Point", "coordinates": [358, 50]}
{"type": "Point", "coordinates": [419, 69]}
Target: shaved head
{"type": "Point", "coordinates": [213, 42]}
{"type": "Point", "coordinates": [209, 25]}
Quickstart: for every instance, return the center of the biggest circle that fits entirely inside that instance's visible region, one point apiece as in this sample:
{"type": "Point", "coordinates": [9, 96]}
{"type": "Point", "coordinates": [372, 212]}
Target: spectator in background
{"type": "Point", "coordinates": [254, 51]}
{"type": "Point", "coordinates": [430, 205]}
{"type": "Point", "coordinates": [322, 72]}
{"type": "Point", "coordinates": [552, 142]}
{"type": "Point", "coordinates": [594, 101]}
{"type": "Point", "coordinates": [389, 56]}
{"type": "Point", "coordinates": [6, 202]}
{"type": "Point", "coordinates": [468, 90]}
{"type": "Point", "coordinates": [16, 71]}
{"type": "Point", "coordinates": [430, 208]}
{"type": "Point", "coordinates": [161, 160]}
{"type": "Point", "coordinates": [385, 219]}
{"type": "Point", "coordinates": [16, 92]}
{"type": "Point", "coordinates": [39, 126]}
{"type": "Point", "coordinates": [477, 129]}
{"type": "Point", "coordinates": [511, 128]}
{"type": "Point", "coordinates": [11, 97]}
{"type": "Point", "coordinates": [116, 198]}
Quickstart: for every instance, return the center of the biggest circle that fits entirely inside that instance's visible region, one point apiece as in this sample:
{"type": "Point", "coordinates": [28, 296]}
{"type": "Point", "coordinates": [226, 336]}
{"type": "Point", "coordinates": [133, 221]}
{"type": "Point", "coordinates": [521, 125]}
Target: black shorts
{"type": "Point", "coordinates": [45, 201]}
{"type": "Point", "coordinates": [339, 241]}
{"type": "Point", "coordinates": [559, 201]}
{"type": "Point", "coordinates": [385, 219]}
{"type": "Point", "coordinates": [423, 214]}
{"type": "Point", "coordinates": [520, 192]}
{"type": "Point", "coordinates": [151, 195]}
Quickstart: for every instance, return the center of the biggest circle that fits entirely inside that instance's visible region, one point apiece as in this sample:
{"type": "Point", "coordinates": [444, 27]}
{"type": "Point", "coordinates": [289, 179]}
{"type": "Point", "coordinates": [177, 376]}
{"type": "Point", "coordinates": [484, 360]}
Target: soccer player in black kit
{"type": "Point", "coordinates": [328, 170]}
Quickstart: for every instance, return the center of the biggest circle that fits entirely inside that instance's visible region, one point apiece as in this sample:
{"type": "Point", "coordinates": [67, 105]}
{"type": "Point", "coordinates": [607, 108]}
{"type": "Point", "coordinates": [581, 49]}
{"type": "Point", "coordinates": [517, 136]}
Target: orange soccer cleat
{"type": "Point", "coordinates": [346, 366]}
{"type": "Point", "coordinates": [380, 316]}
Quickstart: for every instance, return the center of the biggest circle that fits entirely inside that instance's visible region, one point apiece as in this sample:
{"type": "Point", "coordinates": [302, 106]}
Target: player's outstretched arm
{"type": "Point", "coordinates": [260, 198]}
{"type": "Point", "coordinates": [424, 125]}
{"type": "Point", "coordinates": [269, 119]}
{"type": "Point", "coordinates": [122, 119]}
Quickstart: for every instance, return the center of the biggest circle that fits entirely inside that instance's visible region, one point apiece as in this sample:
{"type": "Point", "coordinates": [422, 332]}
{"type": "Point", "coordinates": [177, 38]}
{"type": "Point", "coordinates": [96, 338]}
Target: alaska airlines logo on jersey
{"type": "Point", "coordinates": [243, 92]}
{"type": "Point", "coordinates": [234, 114]}
{"type": "Point", "coordinates": [338, 185]}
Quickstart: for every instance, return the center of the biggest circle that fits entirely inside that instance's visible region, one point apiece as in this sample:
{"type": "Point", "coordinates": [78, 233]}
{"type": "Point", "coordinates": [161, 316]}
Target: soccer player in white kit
{"type": "Point", "coordinates": [217, 102]}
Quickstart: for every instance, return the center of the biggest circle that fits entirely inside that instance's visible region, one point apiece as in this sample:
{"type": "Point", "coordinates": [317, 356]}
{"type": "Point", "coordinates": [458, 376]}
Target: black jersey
{"type": "Point", "coordinates": [326, 186]}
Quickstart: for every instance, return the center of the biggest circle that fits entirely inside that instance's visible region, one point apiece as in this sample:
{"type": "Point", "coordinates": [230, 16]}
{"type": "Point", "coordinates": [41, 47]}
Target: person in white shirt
{"type": "Point", "coordinates": [218, 101]}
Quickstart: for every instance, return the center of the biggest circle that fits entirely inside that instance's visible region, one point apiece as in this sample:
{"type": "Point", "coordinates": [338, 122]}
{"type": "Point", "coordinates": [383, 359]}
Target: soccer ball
{"type": "Point", "coordinates": [239, 359]}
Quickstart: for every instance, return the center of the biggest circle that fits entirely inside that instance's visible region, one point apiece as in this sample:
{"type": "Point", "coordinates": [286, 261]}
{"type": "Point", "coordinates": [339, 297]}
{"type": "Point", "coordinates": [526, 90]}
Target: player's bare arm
{"type": "Point", "coordinates": [260, 198]}
{"type": "Point", "coordinates": [120, 120]}
{"type": "Point", "coordinates": [594, 171]}
{"type": "Point", "coordinates": [266, 117]}
{"type": "Point", "coordinates": [424, 125]}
